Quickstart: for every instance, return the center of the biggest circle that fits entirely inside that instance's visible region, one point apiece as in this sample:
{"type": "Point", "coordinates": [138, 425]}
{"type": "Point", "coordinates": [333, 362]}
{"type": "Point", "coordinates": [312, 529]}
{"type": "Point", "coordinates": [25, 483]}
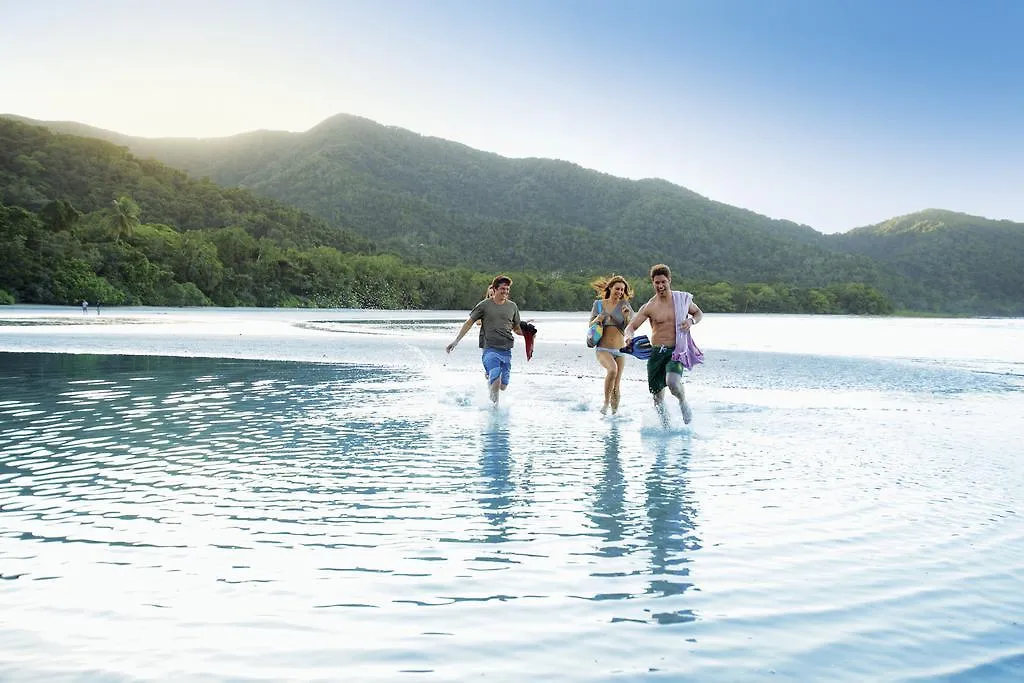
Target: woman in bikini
{"type": "Point", "coordinates": [613, 312]}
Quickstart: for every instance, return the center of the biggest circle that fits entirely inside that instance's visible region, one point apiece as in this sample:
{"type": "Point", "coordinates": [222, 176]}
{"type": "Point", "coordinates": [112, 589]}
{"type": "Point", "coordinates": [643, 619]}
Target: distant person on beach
{"type": "Point", "coordinates": [612, 312]}
{"type": "Point", "coordinates": [480, 323]}
{"type": "Point", "coordinates": [671, 315]}
{"type": "Point", "coordinates": [85, 306]}
{"type": "Point", "coordinates": [97, 308]}
{"type": "Point", "coordinates": [499, 318]}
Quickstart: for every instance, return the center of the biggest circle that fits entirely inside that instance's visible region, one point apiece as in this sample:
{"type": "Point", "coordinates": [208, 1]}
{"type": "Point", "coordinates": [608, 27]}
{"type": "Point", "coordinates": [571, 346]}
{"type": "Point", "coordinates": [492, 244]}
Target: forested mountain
{"type": "Point", "coordinates": [976, 264]}
{"type": "Point", "coordinates": [82, 218]}
{"type": "Point", "coordinates": [438, 201]}
{"type": "Point", "coordinates": [37, 167]}
{"type": "Point", "coordinates": [441, 204]}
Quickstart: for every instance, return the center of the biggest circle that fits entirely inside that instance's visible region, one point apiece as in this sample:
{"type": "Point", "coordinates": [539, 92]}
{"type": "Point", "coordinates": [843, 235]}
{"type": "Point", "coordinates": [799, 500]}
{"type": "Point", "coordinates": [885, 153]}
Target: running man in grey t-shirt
{"type": "Point", "coordinates": [499, 318]}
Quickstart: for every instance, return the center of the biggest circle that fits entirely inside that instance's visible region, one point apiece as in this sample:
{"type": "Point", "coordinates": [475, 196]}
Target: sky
{"type": "Point", "coordinates": [831, 113]}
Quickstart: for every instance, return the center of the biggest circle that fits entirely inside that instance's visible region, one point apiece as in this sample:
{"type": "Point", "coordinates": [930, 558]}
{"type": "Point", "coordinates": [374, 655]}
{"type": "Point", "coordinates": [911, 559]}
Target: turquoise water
{"type": "Point", "coordinates": [296, 495]}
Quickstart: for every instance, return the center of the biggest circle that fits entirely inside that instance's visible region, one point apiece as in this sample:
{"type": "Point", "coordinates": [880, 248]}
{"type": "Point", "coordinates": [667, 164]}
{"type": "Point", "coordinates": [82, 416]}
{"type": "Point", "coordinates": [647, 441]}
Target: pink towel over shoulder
{"type": "Point", "coordinates": [686, 352]}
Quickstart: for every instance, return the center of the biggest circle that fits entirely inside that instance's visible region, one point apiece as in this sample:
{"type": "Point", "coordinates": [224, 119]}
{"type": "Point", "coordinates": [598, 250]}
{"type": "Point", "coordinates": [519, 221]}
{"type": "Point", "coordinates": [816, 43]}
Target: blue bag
{"type": "Point", "coordinates": [595, 331]}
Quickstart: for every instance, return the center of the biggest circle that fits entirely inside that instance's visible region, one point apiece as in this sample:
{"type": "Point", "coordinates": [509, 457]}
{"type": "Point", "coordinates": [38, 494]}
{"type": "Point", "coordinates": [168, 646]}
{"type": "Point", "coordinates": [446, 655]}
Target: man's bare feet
{"type": "Point", "coordinates": [684, 407]}
{"type": "Point", "coordinates": [662, 413]}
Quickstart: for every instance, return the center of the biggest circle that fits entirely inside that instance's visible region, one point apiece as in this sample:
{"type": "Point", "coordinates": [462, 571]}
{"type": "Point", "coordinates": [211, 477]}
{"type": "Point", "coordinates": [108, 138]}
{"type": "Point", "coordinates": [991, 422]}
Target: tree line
{"type": "Point", "coordinates": [60, 255]}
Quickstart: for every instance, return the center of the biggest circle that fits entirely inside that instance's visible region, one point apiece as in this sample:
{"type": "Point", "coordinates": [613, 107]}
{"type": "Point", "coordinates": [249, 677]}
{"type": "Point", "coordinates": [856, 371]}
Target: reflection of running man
{"type": "Point", "coordinates": [499, 318]}
{"type": "Point", "coordinates": [85, 306]}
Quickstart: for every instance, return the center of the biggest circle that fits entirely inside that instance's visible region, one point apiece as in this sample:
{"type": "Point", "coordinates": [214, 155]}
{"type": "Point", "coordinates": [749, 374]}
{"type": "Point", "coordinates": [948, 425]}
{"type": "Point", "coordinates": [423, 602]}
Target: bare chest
{"type": "Point", "coordinates": [661, 314]}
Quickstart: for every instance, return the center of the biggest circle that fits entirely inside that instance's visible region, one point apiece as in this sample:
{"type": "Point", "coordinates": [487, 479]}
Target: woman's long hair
{"type": "Point", "coordinates": [603, 286]}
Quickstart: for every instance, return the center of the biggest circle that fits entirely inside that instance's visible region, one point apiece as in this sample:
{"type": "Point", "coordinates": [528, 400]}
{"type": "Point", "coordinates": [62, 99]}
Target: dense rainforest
{"type": "Point", "coordinates": [84, 218]}
{"type": "Point", "coordinates": [61, 256]}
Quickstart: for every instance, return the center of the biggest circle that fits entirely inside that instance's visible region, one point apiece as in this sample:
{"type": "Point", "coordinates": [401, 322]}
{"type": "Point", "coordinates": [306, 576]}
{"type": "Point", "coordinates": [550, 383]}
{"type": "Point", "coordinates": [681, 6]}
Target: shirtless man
{"type": "Point", "coordinates": [662, 371]}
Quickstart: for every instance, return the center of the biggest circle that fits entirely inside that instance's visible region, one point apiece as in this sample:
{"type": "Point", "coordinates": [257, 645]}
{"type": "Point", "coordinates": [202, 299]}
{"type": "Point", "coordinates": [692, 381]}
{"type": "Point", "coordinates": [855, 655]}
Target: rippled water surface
{"type": "Point", "coordinates": [251, 495]}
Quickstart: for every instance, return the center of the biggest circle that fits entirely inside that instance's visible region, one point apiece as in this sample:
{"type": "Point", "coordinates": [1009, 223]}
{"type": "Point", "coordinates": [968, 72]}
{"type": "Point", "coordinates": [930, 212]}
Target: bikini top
{"type": "Point", "coordinates": [617, 317]}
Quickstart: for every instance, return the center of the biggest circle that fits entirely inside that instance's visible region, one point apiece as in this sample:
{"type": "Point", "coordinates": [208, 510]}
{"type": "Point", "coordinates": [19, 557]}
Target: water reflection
{"type": "Point", "coordinates": [237, 470]}
{"type": "Point", "coordinates": [496, 468]}
{"type": "Point", "coordinates": [219, 503]}
{"type": "Point", "coordinates": [646, 532]}
{"type": "Point", "coordinates": [609, 498]}
{"type": "Point", "coordinates": [133, 450]}
{"type": "Point", "coordinates": [670, 514]}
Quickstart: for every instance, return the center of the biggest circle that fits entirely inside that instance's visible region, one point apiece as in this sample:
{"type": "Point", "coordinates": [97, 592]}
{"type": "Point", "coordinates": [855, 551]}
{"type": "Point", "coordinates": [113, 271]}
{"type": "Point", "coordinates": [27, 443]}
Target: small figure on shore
{"type": "Point", "coordinates": [85, 306]}
{"type": "Point", "coordinates": [480, 323]}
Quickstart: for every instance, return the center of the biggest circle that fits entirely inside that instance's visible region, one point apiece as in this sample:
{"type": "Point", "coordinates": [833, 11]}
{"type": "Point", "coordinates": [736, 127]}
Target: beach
{"type": "Point", "coordinates": [243, 494]}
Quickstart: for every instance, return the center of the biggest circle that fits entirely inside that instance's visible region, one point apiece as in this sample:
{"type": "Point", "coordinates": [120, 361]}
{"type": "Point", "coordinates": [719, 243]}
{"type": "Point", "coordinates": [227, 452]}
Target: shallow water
{"type": "Point", "coordinates": [297, 495]}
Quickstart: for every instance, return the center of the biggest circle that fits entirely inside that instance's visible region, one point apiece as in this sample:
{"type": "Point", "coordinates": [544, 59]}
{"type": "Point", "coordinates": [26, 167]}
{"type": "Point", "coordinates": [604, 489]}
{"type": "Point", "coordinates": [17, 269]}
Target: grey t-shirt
{"type": "Point", "coordinates": [498, 321]}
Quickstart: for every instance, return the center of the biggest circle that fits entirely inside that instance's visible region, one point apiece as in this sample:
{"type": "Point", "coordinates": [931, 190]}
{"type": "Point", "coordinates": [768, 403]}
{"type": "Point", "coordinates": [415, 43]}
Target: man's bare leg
{"type": "Point", "coordinates": [659, 405]}
{"type": "Point", "coordinates": [675, 385]}
{"type": "Point", "coordinates": [493, 387]}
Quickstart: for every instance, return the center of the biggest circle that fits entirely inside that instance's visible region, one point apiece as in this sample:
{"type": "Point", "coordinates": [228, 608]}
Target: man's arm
{"type": "Point", "coordinates": [638, 320]}
{"type": "Point", "coordinates": [462, 333]}
{"type": "Point", "coordinates": [695, 316]}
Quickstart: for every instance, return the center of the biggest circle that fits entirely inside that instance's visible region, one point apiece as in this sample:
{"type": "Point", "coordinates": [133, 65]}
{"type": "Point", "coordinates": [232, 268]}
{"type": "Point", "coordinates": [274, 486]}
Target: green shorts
{"type": "Point", "coordinates": [658, 365]}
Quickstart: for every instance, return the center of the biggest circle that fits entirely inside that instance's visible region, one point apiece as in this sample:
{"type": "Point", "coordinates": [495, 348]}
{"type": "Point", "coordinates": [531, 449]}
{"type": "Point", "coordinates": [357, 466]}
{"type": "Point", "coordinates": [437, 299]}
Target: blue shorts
{"type": "Point", "coordinates": [497, 362]}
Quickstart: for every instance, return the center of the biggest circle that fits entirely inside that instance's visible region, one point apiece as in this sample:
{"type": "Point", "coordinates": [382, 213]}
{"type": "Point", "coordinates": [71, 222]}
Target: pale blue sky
{"type": "Point", "coordinates": [835, 113]}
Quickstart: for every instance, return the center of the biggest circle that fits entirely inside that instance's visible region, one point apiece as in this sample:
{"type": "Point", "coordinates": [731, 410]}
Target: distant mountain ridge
{"type": "Point", "coordinates": [977, 263]}
{"type": "Point", "coordinates": [441, 202]}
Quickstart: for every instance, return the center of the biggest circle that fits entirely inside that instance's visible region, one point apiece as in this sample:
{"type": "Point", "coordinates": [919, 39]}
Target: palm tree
{"type": "Point", "coordinates": [125, 217]}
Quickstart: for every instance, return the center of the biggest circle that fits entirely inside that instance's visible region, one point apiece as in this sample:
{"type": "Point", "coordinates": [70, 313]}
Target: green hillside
{"type": "Point", "coordinates": [37, 167]}
{"type": "Point", "coordinates": [975, 264]}
{"type": "Point", "coordinates": [436, 201]}
{"type": "Point", "coordinates": [83, 218]}
{"type": "Point", "coordinates": [440, 204]}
